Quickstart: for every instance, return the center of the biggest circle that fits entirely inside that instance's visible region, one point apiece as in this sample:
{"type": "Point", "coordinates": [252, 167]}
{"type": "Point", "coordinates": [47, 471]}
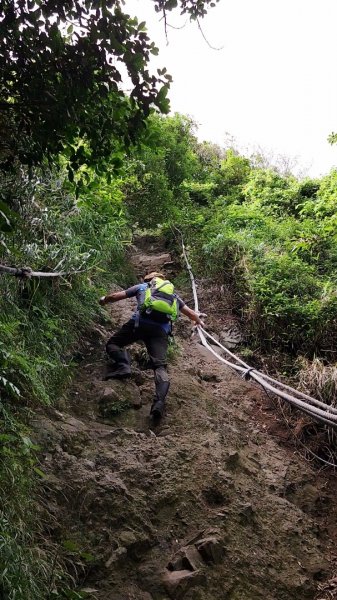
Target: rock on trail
{"type": "Point", "coordinates": [207, 506]}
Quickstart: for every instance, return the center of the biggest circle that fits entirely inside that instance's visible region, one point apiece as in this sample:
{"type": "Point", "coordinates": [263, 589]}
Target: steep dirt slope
{"type": "Point", "coordinates": [206, 506]}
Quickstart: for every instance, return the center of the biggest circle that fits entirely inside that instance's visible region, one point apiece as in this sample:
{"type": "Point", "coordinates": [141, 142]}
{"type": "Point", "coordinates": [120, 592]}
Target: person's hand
{"type": "Point", "coordinates": [200, 322]}
{"type": "Point", "coordinates": [102, 300]}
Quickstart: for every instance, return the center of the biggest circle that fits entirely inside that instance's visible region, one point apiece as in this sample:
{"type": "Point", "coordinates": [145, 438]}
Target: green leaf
{"type": "Point", "coordinates": [87, 556]}
{"type": "Point", "coordinates": [162, 93]}
{"type": "Point", "coordinates": [154, 50]}
{"type": "Point", "coordinates": [71, 546]}
{"type": "Point", "coordinates": [41, 473]}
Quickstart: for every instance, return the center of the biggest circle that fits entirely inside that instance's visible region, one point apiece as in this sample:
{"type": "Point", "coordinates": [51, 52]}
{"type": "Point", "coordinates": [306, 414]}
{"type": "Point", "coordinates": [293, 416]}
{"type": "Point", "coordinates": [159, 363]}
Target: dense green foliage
{"type": "Point", "coordinates": [41, 325]}
{"type": "Point", "coordinates": [62, 71]}
{"type": "Point", "coordinates": [64, 68]}
{"type": "Point", "coordinates": [158, 169]}
{"type": "Point", "coordinates": [269, 235]}
{"type": "Point", "coordinates": [281, 241]}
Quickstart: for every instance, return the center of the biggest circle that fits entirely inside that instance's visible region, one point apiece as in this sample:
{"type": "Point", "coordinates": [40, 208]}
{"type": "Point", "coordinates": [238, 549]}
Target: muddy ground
{"type": "Point", "coordinates": [209, 505]}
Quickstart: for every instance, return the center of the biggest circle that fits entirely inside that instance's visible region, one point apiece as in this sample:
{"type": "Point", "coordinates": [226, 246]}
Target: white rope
{"type": "Point", "coordinates": [314, 408]}
{"type": "Point", "coordinates": [314, 401]}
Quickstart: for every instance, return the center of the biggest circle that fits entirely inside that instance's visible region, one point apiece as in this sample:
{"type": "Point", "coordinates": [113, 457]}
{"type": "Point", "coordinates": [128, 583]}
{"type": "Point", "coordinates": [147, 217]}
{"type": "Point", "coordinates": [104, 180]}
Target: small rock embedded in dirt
{"type": "Point", "coordinates": [230, 336]}
{"type": "Point", "coordinates": [136, 544]}
{"type": "Point", "coordinates": [211, 550]}
{"type": "Point", "coordinates": [108, 403]}
{"type": "Point", "coordinates": [208, 376]}
{"type": "Point", "coordinates": [247, 514]}
{"type": "Point", "coordinates": [187, 558]}
{"type": "Point", "coordinates": [177, 583]}
{"type": "Point", "coordinates": [118, 397]}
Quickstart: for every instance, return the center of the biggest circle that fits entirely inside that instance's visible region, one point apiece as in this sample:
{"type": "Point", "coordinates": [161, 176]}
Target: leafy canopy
{"type": "Point", "coordinates": [65, 66]}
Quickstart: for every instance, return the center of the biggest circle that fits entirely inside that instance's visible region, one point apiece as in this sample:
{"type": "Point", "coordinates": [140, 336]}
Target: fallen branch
{"type": "Point", "coordinates": [27, 272]}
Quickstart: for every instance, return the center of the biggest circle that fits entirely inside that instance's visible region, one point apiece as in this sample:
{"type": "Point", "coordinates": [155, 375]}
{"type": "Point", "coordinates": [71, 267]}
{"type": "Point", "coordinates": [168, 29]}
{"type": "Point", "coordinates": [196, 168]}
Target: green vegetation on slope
{"type": "Point", "coordinates": [42, 321]}
{"type": "Point", "coordinates": [269, 235]}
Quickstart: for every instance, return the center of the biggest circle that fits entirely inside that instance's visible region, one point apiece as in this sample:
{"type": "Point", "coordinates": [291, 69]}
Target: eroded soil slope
{"type": "Point", "coordinates": [206, 506]}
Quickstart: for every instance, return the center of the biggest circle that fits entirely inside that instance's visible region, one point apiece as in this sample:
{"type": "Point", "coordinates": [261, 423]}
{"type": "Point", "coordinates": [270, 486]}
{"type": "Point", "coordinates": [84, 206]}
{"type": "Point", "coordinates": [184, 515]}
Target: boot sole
{"type": "Point", "coordinates": [121, 376]}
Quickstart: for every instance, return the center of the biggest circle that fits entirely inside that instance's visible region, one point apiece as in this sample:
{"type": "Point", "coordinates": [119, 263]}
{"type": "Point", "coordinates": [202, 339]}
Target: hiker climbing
{"type": "Point", "coordinates": [158, 306]}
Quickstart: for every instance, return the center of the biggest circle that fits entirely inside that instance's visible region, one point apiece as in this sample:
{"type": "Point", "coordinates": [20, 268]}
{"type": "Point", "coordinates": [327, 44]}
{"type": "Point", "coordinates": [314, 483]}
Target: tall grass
{"type": "Point", "coordinates": [41, 323]}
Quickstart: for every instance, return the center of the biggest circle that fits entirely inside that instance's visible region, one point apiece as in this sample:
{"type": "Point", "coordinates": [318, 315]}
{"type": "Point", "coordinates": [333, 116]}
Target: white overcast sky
{"type": "Point", "coordinates": [272, 85]}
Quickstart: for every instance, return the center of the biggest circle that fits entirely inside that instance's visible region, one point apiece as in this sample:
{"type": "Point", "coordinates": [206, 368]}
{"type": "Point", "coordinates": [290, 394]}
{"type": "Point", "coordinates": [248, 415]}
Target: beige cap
{"type": "Point", "coordinates": [150, 276]}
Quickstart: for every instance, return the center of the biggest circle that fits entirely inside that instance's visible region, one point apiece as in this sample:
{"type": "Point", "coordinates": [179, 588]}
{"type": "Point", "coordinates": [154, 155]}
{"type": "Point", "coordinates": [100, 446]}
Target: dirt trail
{"type": "Point", "coordinates": [207, 506]}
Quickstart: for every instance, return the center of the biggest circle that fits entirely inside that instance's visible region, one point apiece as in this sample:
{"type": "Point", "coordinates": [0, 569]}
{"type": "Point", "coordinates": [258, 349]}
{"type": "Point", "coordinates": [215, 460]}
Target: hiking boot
{"type": "Point", "coordinates": [116, 371]}
{"type": "Point", "coordinates": [120, 369]}
{"type": "Point", "coordinates": [157, 410]}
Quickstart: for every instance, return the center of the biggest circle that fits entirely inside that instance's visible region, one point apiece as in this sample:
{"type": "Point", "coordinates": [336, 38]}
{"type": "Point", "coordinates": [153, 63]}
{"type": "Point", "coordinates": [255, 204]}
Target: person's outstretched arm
{"type": "Point", "coordinates": [113, 297]}
{"type": "Point", "coordinates": [193, 315]}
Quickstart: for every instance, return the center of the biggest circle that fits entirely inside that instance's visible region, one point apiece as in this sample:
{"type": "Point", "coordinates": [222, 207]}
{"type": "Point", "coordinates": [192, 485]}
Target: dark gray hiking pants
{"type": "Point", "coordinates": [156, 342]}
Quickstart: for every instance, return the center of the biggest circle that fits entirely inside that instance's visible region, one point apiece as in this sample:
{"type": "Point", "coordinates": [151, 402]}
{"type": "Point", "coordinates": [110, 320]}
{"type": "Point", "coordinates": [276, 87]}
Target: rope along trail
{"type": "Point", "coordinates": [311, 406]}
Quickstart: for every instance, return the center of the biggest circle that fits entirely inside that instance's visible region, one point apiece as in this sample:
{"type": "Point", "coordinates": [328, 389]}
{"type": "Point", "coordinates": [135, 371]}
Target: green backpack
{"type": "Point", "coordinates": [160, 301]}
